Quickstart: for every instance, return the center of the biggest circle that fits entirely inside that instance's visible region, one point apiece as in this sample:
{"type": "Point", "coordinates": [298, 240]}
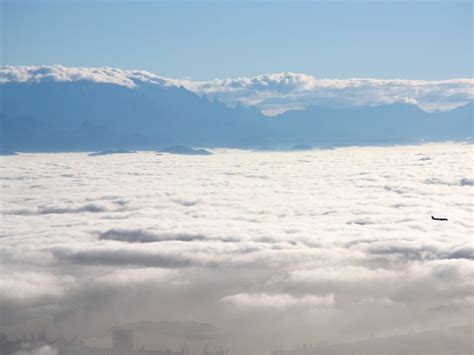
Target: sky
{"type": "Point", "coordinates": [430, 40]}
{"type": "Point", "coordinates": [258, 248]}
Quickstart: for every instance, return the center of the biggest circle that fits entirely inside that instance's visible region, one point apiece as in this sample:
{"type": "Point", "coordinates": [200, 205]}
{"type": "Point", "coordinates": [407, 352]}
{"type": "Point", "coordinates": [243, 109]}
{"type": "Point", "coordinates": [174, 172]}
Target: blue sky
{"type": "Point", "coordinates": [206, 40]}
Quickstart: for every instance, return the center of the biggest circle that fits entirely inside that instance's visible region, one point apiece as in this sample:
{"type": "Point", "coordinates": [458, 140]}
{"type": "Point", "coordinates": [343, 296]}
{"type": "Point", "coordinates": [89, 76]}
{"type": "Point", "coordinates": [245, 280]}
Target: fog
{"type": "Point", "coordinates": [251, 251]}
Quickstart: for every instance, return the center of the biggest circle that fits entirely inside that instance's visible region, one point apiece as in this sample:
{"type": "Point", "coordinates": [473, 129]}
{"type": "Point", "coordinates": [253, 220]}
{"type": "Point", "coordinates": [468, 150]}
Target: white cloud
{"type": "Point", "coordinates": [347, 274]}
{"type": "Point", "coordinates": [126, 277]}
{"type": "Point", "coordinates": [325, 241]}
{"type": "Point", "coordinates": [34, 74]}
{"type": "Point", "coordinates": [24, 286]}
{"type": "Point", "coordinates": [278, 301]}
{"type": "Point", "coordinates": [279, 92]}
{"type": "Point", "coordinates": [272, 93]}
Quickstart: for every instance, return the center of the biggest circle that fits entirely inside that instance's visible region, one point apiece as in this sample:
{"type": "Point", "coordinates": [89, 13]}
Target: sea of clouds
{"type": "Point", "coordinates": [272, 93]}
{"type": "Point", "coordinates": [269, 248]}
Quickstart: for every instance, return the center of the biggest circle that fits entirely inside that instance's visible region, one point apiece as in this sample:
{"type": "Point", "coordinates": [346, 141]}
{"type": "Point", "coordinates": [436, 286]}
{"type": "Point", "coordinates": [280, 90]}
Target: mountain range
{"type": "Point", "coordinates": [85, 115]}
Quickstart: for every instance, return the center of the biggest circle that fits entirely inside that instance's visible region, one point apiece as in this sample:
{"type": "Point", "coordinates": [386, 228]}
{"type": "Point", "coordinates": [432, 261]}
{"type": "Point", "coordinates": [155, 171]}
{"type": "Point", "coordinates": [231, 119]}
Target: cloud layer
{"type": "Point", "coordinates": [272, 93]}
{"type": "Point", "coordinates": [337, 243]}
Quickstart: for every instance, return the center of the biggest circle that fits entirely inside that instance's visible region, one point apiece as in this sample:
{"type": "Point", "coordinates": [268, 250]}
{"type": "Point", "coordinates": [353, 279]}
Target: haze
{"type": "Point", "coordinates": [268, 249]}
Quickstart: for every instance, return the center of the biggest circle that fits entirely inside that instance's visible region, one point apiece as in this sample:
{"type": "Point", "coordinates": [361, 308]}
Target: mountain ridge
{"type": "Point", "coordinates": [85, 115]}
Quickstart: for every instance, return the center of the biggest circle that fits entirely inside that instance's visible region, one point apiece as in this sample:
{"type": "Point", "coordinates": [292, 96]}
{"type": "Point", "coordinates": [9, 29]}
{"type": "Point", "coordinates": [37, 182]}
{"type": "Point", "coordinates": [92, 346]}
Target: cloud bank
{"type": "Point", "coordinates": [325, 247]}
{"type": "Point", "coordinates": [271, 93]}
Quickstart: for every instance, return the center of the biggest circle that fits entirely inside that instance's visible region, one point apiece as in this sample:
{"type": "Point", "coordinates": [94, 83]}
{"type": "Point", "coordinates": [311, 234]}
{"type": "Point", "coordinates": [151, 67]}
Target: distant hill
{"type": "Point", "coordinates": [179, 149]}
{"type": "Point", "coordinates": [110, 152]}
{"type": "Point", "coordinates": [87, 115]}
{"type": "Point", "coordinates": [301, 147]}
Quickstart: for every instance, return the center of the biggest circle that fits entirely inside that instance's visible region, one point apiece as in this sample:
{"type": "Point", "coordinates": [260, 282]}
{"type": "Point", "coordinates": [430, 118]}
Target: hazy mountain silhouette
{"type": "Point", "coordinates": [110, 152]}
{"type": "Point", "coordinates": [179, 149]}
{"type": "Point", "coordinates": [300, 147]}
{"type": "Point", "coordinates": [396, 123]}
{"type": "Point", "coordinates": [85, 115]}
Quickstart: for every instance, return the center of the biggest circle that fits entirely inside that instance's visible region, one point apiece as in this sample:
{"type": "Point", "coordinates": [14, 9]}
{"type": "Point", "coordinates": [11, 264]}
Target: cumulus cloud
{"type": "Point", "coordinates": [34, 74]}
{"type": "Point", "coordinates": [272, 93]}
{"type": "Point", "coordinates": [279, 92]}
{"type": "Point", "coordinates": [326, 244]}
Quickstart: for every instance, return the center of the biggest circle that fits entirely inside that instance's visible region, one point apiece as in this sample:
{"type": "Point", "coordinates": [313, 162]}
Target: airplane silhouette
{"type": "Point", "coordinates": [438, 219]}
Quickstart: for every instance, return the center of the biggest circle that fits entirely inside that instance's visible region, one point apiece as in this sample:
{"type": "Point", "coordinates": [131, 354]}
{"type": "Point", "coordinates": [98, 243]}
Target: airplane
{"type": "Point", "coordinates": [438, 219]}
